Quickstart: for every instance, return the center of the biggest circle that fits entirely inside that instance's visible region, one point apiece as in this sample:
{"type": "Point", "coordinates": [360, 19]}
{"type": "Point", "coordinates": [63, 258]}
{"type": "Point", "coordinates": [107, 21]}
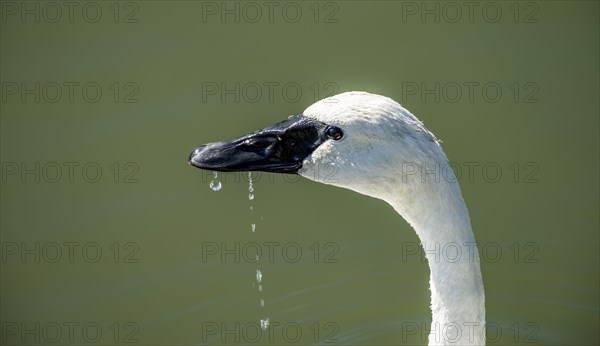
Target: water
{"type": "Point", "coordinates": [215, 184]}
{"type": "Point", "coordinates": [376, 287]}
{"type": "Point", "coordinates": [258, 276]}
{"type": "Point", "coordinates": [250, 187]}
{"type": "Point", "coordinates": [264, 323]}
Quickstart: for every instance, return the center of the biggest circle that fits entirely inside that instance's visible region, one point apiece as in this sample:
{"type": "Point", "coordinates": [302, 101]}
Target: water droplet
{"type": "Point", "coordinates": [215, 184]}
{"type": "Point", "coordinates": [258, 276]}
{"type": "Point", "coordinates": [264, 324]}
{"type": "Point", "coordinates": [250, 187]}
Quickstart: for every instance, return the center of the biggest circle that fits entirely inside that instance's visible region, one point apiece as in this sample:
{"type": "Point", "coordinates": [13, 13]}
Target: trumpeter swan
{"type": "Point", "coordinates": [379, 149]}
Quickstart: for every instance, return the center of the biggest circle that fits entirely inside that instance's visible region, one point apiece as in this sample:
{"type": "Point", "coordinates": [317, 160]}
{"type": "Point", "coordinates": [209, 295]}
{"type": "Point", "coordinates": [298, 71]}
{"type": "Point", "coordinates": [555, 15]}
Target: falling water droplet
{"type": "Point", "coordinates": [264, 324]}
{"type": "Point", "coordinates": [215, 184]}
{"type": "Point", "coordinates": [258, 276]}
{"type": "Point", "coordinates": [250, 187]}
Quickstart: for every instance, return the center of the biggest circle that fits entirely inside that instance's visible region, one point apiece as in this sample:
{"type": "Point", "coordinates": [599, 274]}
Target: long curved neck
{"type": "Point", "coordinates": [440, 218]}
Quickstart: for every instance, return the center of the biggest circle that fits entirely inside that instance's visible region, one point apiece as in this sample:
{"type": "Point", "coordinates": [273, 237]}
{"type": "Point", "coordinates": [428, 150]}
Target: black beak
{"type": "Point", "coordinates": [279, 148]}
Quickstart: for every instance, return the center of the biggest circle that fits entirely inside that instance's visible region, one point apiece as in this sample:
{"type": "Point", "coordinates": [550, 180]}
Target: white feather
{"type": "Point", "coordinates": [387, 153]}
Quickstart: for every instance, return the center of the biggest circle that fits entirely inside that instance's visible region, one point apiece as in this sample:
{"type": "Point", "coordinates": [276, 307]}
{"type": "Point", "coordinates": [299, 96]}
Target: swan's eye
{"type": "Point", "coordinates": [334, 132]}
{"type": "Point", "coordinates": [259, 142]}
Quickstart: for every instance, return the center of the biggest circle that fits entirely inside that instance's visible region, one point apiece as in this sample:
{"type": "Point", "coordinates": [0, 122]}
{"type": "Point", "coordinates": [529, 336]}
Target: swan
{"type": "Point", "coordinates": [379, 149]}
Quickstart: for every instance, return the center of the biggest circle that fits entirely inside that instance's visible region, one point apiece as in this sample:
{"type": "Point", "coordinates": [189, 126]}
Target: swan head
{"type": "Point", "coordinates": [356, 140]}
{"type": "Point", "coordinates": [370, 144]}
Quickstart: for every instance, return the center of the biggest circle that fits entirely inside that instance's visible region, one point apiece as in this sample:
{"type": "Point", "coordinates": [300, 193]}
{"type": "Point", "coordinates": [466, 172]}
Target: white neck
{"type": "Point", "coordinates": [387, 153]}
{"type": "Point", "coordinates": [440, 218]}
